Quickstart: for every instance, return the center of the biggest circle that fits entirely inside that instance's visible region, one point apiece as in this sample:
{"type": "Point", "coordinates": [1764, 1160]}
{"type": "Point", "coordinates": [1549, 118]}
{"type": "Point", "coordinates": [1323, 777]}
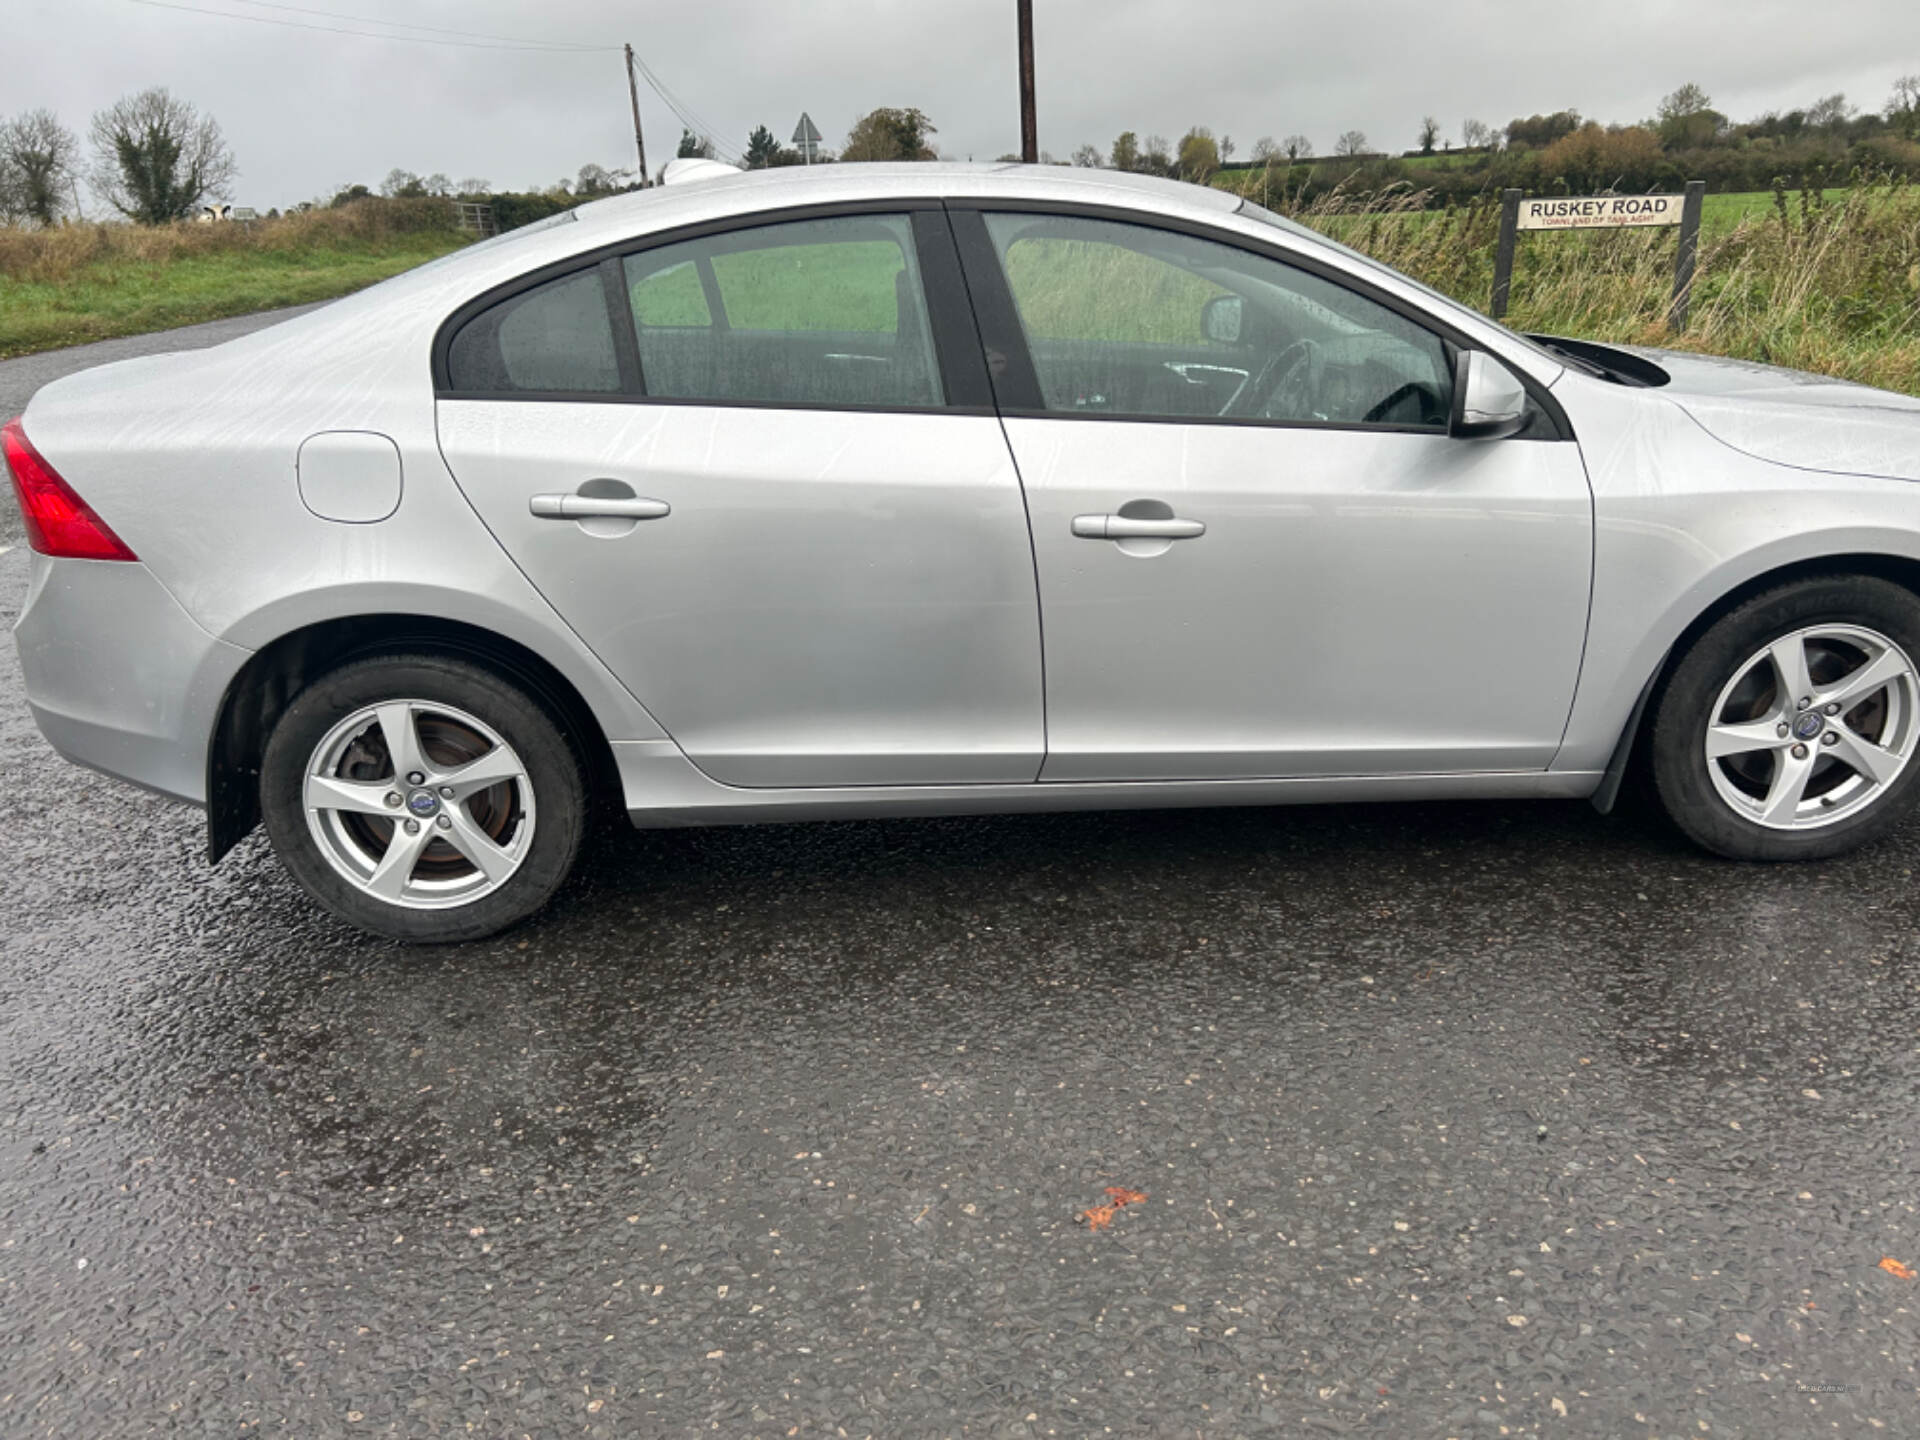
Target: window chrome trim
{"type": "Point", "coordinates": [567, 397]}
{"type": "Point", "coordinates": [1017, 386]}
{"type": "Point", "coordinates": [959, 362]}
{"type": "Point", "coordinates": [970, 388]}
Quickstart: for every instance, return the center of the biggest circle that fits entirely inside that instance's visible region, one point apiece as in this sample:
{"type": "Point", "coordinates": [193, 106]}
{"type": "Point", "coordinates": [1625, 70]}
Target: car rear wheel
{"type": "Point", "coordinates": [1788, 730]}
{"type": "Point", "coordinates": [422, 798]}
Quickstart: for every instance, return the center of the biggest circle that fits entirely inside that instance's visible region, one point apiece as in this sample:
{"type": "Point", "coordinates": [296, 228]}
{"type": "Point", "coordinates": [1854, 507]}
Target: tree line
{"type": "Point", "coordinates": [1560, 152]}
{"type": "Point", "coordinates": [1564, 152]}
{"type": "Point", "coordinates": [151, 157]}
{"type": "Point", "coordinates": [154, 159]}
{"type": "Point", "coordinates": [1687, 139]}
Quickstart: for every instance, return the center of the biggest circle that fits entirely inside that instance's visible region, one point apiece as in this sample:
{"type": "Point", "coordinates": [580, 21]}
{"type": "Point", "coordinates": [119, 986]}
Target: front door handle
{"type": "Point", "coordinates": [597, 507]}
{"type": "Point", "coordinates": [1126, 527]}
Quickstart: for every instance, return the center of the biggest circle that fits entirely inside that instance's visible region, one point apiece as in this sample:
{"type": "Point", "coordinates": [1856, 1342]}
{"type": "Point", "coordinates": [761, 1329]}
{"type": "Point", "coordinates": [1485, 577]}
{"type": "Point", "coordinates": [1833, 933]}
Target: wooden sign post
{"type": "Point", "coordinates": [1603, 212]}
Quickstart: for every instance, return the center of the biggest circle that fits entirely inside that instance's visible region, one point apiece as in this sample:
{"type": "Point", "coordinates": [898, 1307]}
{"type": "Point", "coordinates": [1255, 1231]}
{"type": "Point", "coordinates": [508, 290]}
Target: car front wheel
{"type": "Point", "coordinates": [1788, 729]}
{"type": "Point", "coordinates": [422, 798]}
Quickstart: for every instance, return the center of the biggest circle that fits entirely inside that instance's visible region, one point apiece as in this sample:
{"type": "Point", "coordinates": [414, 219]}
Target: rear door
{"type": "Point", "coordinates": [757, 468]}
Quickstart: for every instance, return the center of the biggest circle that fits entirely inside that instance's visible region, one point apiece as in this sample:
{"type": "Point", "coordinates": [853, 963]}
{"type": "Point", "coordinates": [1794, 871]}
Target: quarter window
{"type": "Point", "coordinates": [815, 312]}
{"type": "Point", "coordinates": [1128, 320]}
{"type": "Point", "coordinates": [554, 338]}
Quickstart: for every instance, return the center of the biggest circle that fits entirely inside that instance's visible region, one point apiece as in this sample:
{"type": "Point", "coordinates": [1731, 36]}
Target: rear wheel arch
{"type": "Point", "coordinates": [1630, 755]}
{"type": "Point", "coordinates": [281, 670]}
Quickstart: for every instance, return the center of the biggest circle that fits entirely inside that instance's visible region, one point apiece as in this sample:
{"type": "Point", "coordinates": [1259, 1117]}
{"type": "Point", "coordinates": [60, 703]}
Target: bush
{"type": "Point", "coordinates": [511, 211]}
{"type": "Point", "coordinates": [1592, 158]}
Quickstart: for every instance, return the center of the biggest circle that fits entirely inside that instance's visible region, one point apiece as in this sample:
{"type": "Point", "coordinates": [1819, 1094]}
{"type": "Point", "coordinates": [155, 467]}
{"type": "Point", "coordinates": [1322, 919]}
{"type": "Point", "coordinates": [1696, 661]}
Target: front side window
{"type": "Point", "coordinates": [814, 312]}
{"type": "Point", "coordinates": [1128, 320]}
{"type": "Point", "coordinates": [556, 338]}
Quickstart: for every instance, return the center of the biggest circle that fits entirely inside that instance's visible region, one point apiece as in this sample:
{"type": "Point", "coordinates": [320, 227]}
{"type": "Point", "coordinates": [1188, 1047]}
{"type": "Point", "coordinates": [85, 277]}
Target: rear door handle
{"type": "Point", "coordinates": [1125, 527]}
{"type": "Point", "coordinates": [590, 507]}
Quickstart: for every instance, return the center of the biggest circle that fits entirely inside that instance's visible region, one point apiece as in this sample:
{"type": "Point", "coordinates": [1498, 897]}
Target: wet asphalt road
{"type": "Point", "coordinates": [1453, 1120]}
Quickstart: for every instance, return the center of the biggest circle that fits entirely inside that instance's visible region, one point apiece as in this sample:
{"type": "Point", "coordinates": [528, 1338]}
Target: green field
{"type": "Point", "coordinates": [846, 287]}
{"type": "Point", "coordinates": [1719, 214]}
{"type": "Point", "coordinates": [105, 301]}
{"type": "Point", "coordinates": [91, 282]}
{"type": "Point", "coordinates": [1833, 286]}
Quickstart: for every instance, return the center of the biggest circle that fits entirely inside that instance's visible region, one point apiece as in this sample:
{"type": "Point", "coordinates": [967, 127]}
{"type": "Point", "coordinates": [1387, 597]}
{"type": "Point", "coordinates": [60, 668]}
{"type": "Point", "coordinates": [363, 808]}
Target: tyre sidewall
{"type": "Point", "coordinates": [1680, 765]}
{"type": "Point", "coordinates": [553, 770]}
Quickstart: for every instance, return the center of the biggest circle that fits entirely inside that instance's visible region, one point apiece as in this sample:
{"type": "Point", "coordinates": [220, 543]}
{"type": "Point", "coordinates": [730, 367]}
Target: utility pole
{"type": "Point", "coordinates": [639, 140]}
{"type": "Point", "coordinates": [1029, 126]}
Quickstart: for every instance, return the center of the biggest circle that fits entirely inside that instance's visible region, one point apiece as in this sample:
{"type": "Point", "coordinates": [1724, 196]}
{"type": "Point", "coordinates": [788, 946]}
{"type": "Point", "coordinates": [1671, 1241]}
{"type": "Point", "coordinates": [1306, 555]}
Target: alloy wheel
{"type": "Point", "coordinates": [1814, 728]}
{"type": "Point", "coordinates": [419, 804]}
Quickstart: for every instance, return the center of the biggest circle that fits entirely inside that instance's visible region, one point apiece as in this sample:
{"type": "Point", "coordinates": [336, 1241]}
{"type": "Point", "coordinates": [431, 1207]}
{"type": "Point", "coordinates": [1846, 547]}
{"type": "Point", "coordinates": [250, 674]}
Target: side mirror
{"type": "Point", "coordinates": [1220, 319]}
{"type": "Point", "coordinates": [1489, 402]}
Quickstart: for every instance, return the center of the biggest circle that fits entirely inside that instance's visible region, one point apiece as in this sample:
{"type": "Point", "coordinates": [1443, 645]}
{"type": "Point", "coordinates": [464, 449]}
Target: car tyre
{"type": "Point", "coordinates": [475, 832]}
{"type": "Point", "coordinates": [1730, 693]}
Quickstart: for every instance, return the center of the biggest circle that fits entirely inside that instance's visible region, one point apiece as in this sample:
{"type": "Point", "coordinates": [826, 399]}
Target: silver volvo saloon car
{"type": "Point", "coordinates": [895, 490]}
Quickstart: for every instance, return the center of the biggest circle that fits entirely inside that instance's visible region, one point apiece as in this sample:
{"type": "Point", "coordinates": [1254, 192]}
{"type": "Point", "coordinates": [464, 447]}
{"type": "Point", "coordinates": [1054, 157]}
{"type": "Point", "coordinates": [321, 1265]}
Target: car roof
{"type": "Point", "coordinates": [724, 193]}
{"type": "Point", "coordinates": [811, 184]}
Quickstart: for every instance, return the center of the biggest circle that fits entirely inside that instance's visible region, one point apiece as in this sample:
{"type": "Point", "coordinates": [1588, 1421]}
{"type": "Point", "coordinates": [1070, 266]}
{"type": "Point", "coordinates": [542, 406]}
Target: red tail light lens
{"type": "Point", "coordinates": [59, 522]}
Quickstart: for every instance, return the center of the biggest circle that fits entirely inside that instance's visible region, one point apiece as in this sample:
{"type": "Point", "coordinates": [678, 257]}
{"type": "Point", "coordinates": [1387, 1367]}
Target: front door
{"type": "Point", "coordinates": [1260, 553]}
{"type": "Point", "coordinates": [743, 467]}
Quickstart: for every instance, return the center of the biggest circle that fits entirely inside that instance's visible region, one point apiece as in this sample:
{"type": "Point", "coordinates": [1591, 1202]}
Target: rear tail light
{"type": "Point", "coordinates": [59, 522]}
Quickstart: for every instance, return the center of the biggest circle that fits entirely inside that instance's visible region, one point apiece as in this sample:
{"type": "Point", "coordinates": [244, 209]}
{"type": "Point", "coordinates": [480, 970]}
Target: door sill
{"type": "Point", "coordinates": [663, 789]}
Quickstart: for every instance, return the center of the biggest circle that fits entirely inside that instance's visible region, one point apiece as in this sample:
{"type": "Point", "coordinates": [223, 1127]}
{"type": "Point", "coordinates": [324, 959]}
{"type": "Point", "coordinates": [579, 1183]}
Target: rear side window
{"type": "Point", "coordinates": [815, 312]}
{"type": "Point", "coordinates": [555, 338]}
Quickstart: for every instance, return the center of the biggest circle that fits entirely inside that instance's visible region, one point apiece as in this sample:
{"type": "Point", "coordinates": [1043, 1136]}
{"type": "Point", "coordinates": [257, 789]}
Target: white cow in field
{"type": "Point", "coordinates": [209, 214]}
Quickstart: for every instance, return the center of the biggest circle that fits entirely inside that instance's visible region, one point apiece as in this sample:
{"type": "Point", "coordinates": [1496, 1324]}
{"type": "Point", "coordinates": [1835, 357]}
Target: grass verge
{"type": "Point", "coordinates": [1821, 281]}
{"type": "Point", "coordinates": [94, 282]}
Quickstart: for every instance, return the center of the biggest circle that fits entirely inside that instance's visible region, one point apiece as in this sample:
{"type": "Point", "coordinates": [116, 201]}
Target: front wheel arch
{"type": "Point", "coordinates": [280, 671]}
{"type": "Point", "coordinates": [1630, 756]}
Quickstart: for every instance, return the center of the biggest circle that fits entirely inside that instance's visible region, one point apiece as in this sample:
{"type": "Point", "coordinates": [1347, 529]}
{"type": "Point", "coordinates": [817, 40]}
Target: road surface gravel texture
{"type": "Point", "coordinates": [1466, 1120]}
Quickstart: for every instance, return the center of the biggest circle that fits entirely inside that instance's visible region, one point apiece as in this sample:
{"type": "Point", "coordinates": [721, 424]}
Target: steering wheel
{"type": "Point", "coordinates": [1294, 373]}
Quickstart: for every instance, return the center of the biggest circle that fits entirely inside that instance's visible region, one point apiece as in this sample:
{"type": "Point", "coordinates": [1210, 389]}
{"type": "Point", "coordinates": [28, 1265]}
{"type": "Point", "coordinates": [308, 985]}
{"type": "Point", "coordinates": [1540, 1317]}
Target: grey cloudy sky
{"type": "Point", "coordinates": [306, 110]}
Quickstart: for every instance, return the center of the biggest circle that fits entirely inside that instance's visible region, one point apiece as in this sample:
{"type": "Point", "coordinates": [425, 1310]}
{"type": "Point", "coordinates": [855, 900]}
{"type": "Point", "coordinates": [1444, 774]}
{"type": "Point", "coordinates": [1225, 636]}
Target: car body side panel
{"type": "Point", "coordinates": [835, 598]}
{"type": "Point", "coordinates": [120, 678]}
{"type": "Point", "coordinates": [192, 457]}
{"type": "Point", "coordinates": [195, 463]}
{"type": "Point", "coordinates": [1680, 521]}
{"type": "Point", "coordinates": [1362, 602]}
{"type": "Point", "coordinates": [192, 460]}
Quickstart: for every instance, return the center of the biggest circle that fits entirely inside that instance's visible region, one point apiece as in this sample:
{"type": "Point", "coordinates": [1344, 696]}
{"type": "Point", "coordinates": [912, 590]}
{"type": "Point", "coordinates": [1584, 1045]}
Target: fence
{"type": "Point", "coordinates": [475, 218]}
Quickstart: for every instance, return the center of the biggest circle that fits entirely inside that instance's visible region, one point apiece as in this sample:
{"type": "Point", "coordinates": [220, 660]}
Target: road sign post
{"type": "Point", "coordinates": [1503, 256]}
{"type": "Point", "coordinates": [1603, 212]}
{"type": "Point", "coordinates": [1689, 248]}
{"type": "Point", "coordinates": [807, 136]}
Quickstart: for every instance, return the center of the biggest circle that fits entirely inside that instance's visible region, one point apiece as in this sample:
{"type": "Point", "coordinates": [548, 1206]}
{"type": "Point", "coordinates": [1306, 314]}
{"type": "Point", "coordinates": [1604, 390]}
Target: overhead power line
{"type": "Point", "coordinates": [686, 114]}
{"type": "Point", "coordinates": [410, 25]}
{"type": "Point", "coordinates": [475, 44]}
{"type": "Point", "coordinates": [462, 39]}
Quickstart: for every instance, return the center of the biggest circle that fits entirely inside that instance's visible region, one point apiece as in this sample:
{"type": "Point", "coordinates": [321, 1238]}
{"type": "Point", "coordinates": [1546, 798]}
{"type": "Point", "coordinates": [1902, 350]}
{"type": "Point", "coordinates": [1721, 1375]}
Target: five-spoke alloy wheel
{"type": "Point", "coordinates": [419, 804]}
{"type": "Point", "coordinates": [1787, 730]}
{"type": "Point", "coordinates": [422, 797]}
{"type": "Point", "coordinates": [1814, 728]}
